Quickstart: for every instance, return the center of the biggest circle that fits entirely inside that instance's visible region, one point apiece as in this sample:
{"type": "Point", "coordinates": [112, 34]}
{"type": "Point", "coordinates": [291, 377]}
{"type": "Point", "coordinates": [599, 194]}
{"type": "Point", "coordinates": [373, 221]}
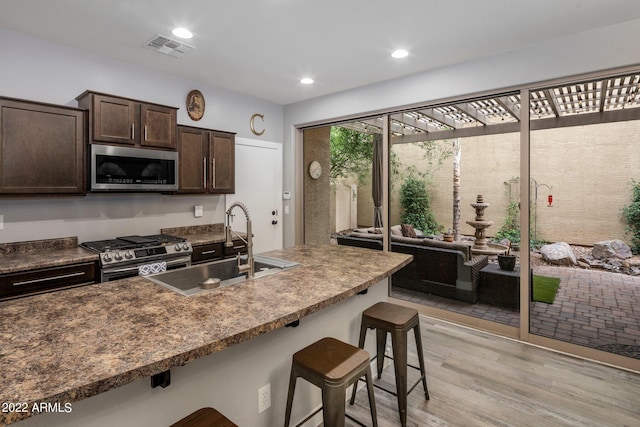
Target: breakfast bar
{"type": "Point", "coordinates": [106, 340]}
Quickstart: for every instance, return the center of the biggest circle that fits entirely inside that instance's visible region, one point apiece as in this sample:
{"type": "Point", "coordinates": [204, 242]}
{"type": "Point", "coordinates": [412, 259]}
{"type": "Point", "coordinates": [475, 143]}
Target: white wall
{"type": "Point", "coordinates": [593, 50]}
{"type": "Point", "coordinates": [39, 70]}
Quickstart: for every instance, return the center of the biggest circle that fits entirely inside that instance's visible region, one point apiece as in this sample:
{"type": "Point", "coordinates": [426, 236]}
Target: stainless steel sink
{"type": "Point", "coordinates": [196, 279]}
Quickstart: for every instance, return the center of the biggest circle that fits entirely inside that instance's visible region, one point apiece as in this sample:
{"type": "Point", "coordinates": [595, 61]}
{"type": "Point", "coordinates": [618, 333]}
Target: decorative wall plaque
{"type": "Point", "coordinates": [195, 105]}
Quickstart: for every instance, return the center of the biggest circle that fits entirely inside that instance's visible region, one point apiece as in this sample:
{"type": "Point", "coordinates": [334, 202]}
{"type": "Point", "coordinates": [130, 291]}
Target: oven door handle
{"type": "Point", "coordinates": [185, 260]}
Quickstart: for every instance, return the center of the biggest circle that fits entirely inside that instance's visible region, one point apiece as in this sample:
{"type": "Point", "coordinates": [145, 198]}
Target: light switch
{"type": "Point", "coordinates": [198, 211]}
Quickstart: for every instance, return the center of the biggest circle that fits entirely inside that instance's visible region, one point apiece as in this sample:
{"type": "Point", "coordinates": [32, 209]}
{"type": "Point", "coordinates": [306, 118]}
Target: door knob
{"type": "Point", "coordinates": [274, 212]}
{"type": "Point", "coordinates": [274, 222]}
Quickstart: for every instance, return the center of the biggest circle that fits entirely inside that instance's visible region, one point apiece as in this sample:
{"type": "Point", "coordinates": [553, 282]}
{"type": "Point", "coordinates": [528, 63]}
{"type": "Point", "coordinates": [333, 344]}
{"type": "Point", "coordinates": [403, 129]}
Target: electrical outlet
{"type": "Point", "coordinates": [264, 398]}
{"type": "Point", "coordinates": [197, 211]}
{"type": "Point", "coordinates": [1, 222]}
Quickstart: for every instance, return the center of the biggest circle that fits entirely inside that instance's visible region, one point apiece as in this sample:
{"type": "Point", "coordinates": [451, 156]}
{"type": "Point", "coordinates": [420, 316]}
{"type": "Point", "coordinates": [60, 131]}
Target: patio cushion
{"type": "Point", "coordinates": [407, 230]}
{"type": "Point", "coordinates": [396, 230]}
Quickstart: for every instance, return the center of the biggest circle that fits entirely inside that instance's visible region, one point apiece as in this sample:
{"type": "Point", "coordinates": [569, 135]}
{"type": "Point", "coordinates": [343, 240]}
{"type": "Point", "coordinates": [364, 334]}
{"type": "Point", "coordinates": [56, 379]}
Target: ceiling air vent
{"type": "Point", "coordinates": [168, 46]}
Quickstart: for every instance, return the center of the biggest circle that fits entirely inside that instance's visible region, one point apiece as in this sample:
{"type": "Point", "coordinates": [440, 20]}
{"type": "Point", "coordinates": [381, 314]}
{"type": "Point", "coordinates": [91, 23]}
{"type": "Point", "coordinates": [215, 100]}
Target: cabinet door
{"type": "Point", "coordinates": [192, 155]}
{"type": "Point", "coordinates": [206, 253]}
{"type": "Point", "coordinates": [239, 247]}
{"type": "Point", "coordinates": [222, 153]}
{"type": "Point", "coordinates": [158, 126]}
{"type": "Point", "coordinates": [41, 149]}
{"type": "Point", "coordinates": [114, 120]}
{"type": "Point", "coordinates": [36, 281]}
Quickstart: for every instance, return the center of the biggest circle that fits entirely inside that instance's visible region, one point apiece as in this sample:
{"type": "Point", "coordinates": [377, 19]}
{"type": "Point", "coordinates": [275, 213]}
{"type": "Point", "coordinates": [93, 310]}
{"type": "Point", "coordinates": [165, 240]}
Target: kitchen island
{"type": "Point", "coordinates": [105, 340]}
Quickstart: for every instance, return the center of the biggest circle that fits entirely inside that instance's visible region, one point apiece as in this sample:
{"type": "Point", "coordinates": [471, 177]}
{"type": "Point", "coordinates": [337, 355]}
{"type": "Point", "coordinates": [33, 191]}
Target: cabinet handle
{"type": "Point", "coordinates": [209, 252]}
{"type": "Point", "coordinates": [133, 131]}
{"type": "Point", "coordinates": [45, 279]}
{"type": "Point", "coordinates": [213, 172]}
{"type": "Point", "coordinates": [145, 133]}
{"type": "Point", "coordinates": [204, 173]}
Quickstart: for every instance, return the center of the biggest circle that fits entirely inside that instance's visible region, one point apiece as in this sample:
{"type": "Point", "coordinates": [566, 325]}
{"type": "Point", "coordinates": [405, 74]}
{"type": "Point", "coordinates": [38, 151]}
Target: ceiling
{"type": "Point", "coordinates": [264, 47]}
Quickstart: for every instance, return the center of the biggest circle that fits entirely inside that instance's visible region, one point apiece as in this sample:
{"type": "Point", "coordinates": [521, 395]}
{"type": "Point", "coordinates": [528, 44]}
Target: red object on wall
{"type": "Point", "coordinates": [550, 200]}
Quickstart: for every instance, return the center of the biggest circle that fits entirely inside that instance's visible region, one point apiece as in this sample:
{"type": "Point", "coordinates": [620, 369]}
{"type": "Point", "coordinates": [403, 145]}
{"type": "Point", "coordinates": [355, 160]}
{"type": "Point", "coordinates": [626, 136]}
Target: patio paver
{"type": "Point", "coordinates": [593, 308]}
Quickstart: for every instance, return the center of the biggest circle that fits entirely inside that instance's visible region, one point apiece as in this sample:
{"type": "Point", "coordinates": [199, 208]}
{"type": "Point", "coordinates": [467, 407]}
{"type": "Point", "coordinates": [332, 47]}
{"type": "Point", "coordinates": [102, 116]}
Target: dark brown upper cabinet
{"type": "Point", "coordinates": [41, 148]}
{"type": "Point", "coordinates": [207, 161]}
{"type": "Point", "coordinates": [123, 121]}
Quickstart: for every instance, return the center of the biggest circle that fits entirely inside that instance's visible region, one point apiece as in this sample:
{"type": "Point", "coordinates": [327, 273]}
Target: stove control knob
{"type": "Point", "coordinates": [107, 257]}
{"type": "Point", "coordinates": [128, 255]}
{"type": "Point", "coordinates": [185, 246]}
{"type": "Point", "coordinates": [178, 248]}
{"type": "Point", "coordinates": [118, 256]}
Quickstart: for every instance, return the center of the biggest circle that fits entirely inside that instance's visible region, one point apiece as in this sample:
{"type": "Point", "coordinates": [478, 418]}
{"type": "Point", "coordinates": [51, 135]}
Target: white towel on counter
{"type": "Point", "coordinates": [156, 267]}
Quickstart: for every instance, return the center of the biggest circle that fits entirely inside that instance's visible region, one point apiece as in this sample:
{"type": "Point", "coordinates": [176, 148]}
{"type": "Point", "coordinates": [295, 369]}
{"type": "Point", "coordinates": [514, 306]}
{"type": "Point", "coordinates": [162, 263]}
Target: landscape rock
{"type": "Point", "coordinates": [611, 249]}
{"type": "Point", "coordinates": [583, 264]}
{"type": "Point", "coordinates": [559, 253]}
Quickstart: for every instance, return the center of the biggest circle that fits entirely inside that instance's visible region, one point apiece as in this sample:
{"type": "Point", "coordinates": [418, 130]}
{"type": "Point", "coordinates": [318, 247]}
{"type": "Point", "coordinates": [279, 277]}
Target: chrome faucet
{"type": "Point", "coordinates": [249, 266]}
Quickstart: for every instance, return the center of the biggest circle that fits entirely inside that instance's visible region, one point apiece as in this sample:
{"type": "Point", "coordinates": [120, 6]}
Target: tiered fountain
{"type": "Point", "coordinates": [481, 245]}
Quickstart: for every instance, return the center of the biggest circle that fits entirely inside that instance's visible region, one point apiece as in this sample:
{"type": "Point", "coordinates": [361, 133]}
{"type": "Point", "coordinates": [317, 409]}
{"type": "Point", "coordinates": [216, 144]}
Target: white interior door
{"type": "Point", "coordinates": [259, 187]}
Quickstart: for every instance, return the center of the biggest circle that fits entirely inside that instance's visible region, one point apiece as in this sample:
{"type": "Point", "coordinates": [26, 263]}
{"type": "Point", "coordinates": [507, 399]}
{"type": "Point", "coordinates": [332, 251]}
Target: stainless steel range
{"type": "Point", "coordinates": [124, 256]}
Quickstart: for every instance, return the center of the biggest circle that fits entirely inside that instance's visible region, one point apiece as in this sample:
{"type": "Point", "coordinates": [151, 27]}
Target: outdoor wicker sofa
{"type": "Point", "coordinates": [440, 268]}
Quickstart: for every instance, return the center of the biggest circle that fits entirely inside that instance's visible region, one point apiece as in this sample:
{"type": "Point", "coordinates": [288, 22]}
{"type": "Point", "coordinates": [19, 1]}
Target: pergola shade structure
{"type": "Point", "coordinates": [606, 100]}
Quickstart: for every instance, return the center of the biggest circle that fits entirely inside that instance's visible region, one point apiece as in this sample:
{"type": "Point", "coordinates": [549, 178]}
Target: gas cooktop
{"type": "Point", "coordinates": [132, 242]}
{"type": "Point", "coordinates": [136, 249]}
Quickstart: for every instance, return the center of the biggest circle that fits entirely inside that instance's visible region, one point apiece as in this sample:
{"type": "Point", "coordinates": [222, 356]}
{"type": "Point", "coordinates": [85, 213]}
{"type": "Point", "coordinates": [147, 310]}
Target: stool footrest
{"type": "Point", "coordinates": [355, 420]}
{"type": "Point", "coordinates": [391, 358]}
{"type": "Point", "coordinates": [309, 417]}
{"type": "Point", "coordinates": [393, 393]}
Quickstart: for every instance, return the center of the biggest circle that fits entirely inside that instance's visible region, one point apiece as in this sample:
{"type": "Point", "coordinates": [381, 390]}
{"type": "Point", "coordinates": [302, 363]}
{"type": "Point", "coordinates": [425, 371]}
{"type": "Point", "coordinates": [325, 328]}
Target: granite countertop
{"type": "Point", "coordinates": [35, 254]}
{"type": "Point", "coordinates": [199, 235]}
{"type": "Point", "coordinates": [68, 345]}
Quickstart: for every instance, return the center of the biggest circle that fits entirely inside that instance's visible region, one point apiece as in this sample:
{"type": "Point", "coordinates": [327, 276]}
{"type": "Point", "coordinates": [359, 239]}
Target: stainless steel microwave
{"type": "Point", "coordinates": [125, 169]}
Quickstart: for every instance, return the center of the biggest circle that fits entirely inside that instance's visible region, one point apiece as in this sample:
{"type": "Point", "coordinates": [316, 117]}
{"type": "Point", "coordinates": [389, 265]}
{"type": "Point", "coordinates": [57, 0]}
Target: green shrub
{"type": "Point", "coordinates": [631, 215]}
{"type": "Point", "coordinates": [511, 227]}
{"type": "Point", "coordinates": [416, 205]}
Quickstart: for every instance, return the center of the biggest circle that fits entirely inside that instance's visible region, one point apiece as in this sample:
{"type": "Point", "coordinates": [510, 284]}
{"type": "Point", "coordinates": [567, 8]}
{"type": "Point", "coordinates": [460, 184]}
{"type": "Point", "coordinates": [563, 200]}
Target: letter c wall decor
{"type": "Point", "coordinates": [252, 124]}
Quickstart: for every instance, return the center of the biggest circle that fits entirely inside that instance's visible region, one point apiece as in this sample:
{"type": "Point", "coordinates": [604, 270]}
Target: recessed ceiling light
{"type": "Point", "coordinates": [400, 53]}
{"type": "Point", "coordinates": [306, 81]}
{"type": "Point", "coordinates": [183, 33]}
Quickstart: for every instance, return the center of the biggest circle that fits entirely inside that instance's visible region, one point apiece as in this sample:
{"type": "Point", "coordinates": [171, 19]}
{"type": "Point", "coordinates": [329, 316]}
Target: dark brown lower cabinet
{"type": "Point", "coordinates": [41, 148]}
{"type": "Point", "coordinates": [206, 253]}
{"type": "Point", "coordinates": [238, 247]}
{"type": "Point", "coordinates": [214, 251]}
{"type": "Point", "coordinates": [46, 279]}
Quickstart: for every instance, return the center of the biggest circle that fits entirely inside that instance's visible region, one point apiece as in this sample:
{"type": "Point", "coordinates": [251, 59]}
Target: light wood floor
{"type": "Point", "coordinates": [479, 379]}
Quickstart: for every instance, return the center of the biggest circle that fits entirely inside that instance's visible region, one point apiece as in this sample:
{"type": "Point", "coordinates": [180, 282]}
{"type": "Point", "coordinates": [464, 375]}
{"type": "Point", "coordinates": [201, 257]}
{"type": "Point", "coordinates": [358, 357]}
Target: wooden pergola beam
{"type": "Point", "coordinates": [536, 124]}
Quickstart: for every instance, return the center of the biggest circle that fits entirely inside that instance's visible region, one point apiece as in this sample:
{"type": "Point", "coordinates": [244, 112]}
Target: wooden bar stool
{"type": "Point", "coordinates": [397, 320]}
{"type": "Point", "coordinates": [205, 417]}
{"type": "Point", "coordinates": [331, 365]}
